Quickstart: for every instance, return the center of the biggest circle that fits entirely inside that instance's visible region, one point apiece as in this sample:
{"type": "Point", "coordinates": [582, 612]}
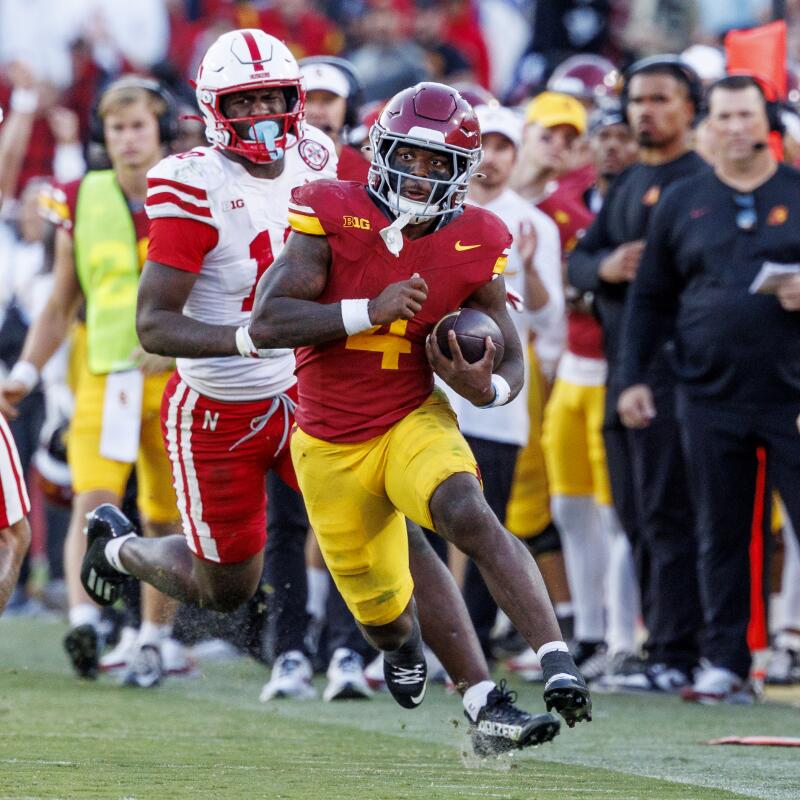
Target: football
{"type": "Point", "coordinates": [471, 327]}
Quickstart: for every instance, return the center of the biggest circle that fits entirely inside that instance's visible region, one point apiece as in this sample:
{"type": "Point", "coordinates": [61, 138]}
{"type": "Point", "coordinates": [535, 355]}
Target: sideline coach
{"type": "Point", "coordinates": [737, 354]}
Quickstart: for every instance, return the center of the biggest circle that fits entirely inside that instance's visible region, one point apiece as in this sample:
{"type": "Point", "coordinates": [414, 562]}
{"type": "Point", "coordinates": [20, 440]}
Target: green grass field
{"type": "Point", "coordinates": [209, 737]}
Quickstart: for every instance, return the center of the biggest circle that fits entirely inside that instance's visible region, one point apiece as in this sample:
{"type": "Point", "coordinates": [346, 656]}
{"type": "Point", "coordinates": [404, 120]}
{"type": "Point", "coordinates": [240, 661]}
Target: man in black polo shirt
{"type": "Point", "coordinates": [737, 356]}
{"type": "Point", "coordinates": [646, 467]}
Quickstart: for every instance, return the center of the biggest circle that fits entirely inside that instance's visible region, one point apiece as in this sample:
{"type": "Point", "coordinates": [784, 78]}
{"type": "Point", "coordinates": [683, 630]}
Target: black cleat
{"type": "Point", "coordinates": [146, 669]}
{"type": "Point", "coordinates": [565, 689]}
{"type": "Point", "coordinates": [83, 648]}
{"type": "Point", "coordinates": [406, 671]}
{"type": "Point", "coordinates": [501, 726]}
{"type": "Point", "coordinates": [102, 582]}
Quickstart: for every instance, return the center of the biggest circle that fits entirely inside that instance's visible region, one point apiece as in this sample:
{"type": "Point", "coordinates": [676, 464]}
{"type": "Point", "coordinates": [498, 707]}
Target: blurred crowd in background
{"type": "Point", "coordinates": [56, 58]}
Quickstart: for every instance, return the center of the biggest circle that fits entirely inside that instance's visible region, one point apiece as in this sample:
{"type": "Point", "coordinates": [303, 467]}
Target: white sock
{"type": "Point", "coordinates": [152, 633]}
{"type": "Point", "coordinates": [113, 547]}
{"type": "Point", "coordinates": [84, 614]}
{"type": "Point", "coordinates": [622, 590]}
{"type": "Point", "coordinates": [564, 609]}
{"type": "Point", "coordinates": [585, 547]}
{"type": "Point", "coordinates": [318, 588]}
{"type": "Point", "coordinates": [551, 647]}
{"type": "Point", "coordinates": [475, 698]}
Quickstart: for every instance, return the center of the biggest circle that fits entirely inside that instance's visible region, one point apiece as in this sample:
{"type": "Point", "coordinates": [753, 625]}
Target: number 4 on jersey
{"type": "Point", "coordinates": [391, 344]}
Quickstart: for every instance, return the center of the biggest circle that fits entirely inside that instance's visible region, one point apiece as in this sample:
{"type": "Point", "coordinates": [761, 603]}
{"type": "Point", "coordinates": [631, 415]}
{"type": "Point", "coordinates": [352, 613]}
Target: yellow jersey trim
{"type": "Point", "coordinates": [500, 265]}
{"type": "Point", "coordinates": [302, 223]}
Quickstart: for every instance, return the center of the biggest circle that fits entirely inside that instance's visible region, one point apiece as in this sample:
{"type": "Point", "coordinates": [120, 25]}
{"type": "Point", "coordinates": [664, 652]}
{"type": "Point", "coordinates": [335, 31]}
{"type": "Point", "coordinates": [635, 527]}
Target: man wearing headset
{"type": "Point", "coordinates": [737, 356]}
{"type": "Point", "coordinates": [646, 467]}
{"type": "Point", "coordinates": [100, 248]}
{"type": "Point", "coordinates": [333, 97]}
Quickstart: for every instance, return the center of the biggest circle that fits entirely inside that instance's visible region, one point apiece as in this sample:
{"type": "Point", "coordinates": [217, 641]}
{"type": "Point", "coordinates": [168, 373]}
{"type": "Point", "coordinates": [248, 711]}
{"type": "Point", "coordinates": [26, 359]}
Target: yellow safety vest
{"type": "Point", "coordinates": [107, 265]}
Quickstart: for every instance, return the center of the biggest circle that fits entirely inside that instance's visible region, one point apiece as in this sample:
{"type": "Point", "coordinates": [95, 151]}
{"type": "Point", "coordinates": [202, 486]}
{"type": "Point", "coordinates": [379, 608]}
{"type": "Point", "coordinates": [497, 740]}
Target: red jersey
{"type": "Point", "coordinates": [352, 166]}
{"type": "Point", "coordinates": [566, 207]}
{"type": "Point", "coordinates": [355, 388]}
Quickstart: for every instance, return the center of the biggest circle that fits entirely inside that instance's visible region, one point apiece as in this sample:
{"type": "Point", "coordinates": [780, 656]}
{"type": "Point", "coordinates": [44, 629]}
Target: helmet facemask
{"type": "Point", "coordinates": [267, 136]}
{"type": "Point", "coordinates": [386, 182]}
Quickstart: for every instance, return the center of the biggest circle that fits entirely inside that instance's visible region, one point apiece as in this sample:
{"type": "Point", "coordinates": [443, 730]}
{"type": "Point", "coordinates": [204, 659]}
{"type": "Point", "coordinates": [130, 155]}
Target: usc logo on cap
{"type": "Point", "coordinates": [650, 197]}
{"type": "Point", "coordinates": [777, 215]}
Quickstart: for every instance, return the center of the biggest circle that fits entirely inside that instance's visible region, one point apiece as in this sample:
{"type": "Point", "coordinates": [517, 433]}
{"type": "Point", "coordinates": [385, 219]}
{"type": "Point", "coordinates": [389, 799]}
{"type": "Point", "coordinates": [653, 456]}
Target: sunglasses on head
{"type": "Point", "coordinates": [746, 216]}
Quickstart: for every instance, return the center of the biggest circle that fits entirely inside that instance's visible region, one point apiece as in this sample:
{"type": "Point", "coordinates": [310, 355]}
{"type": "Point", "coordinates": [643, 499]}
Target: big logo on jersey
{"type": "Point", "coordinates": [313, 153]}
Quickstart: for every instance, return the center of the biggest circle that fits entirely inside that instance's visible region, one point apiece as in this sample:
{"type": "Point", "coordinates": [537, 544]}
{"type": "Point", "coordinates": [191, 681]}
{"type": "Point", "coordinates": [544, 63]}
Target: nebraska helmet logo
{"type": "Point", "coordinates": [313, 153]}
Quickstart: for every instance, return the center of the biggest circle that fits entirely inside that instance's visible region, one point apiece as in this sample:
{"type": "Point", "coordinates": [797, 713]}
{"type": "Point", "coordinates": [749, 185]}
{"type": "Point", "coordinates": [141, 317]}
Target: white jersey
{"type": "Point", "coordinates": [250, 217]}
{"type": "Point", "coordinates": [510, 423]}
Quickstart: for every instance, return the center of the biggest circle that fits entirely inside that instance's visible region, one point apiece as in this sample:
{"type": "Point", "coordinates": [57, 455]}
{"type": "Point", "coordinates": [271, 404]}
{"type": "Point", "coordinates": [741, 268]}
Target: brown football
{"type": "Point", "coordinates": [471, 327]}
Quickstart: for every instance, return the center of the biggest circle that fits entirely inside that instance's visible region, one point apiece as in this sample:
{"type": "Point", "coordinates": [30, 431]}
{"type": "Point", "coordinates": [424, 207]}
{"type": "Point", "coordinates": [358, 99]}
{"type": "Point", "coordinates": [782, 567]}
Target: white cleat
{"type": "Point", "coordinates": [374, 674]}
{"type": "Point", "coordinates": [177, 661]}
{"type": "Point", "coordinates": [291, 677]}
{"type": "Point", "coordinates": [526, 666]}
{"type": "Point", "coordinates": [122, 653]}
{"type": "Point", "coordinates": [346, 680]}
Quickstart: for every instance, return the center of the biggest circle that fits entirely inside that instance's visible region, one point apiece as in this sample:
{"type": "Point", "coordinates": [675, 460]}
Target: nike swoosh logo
{"type": "Point", "coordinates": [461, 247]}
{"type": "Point", "coordinates": [418, 699]}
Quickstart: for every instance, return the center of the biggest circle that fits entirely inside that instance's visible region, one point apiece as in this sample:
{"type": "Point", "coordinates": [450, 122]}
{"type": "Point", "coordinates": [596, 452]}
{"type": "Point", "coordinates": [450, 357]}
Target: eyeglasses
{"type": "Point", "coordinates": [746, 216]}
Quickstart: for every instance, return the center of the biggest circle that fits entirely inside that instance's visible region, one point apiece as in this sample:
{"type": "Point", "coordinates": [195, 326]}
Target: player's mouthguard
{"type": "Point", "coordinates": [266, 131]}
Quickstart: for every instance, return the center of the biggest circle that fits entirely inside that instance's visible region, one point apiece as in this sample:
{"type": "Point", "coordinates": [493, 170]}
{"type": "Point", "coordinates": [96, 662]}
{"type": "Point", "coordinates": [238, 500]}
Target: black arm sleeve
{"type": "Point", "coordinates": [652, 302]}
{"type": "Point", "coordinates": [583, 265]}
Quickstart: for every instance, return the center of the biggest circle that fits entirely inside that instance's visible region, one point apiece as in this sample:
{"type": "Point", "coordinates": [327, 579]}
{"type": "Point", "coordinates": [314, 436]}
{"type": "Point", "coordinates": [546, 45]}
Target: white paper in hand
{"type": "Point", "coordinates": [770, 277]}
{"type": "Point", "coordinates": [122, 416]}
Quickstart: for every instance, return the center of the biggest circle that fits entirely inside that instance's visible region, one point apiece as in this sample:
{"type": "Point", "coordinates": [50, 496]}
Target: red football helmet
{"type": "Point", "coordinates": [251, 59]}
{"type": "Point", "coordinates": [435, 117]}
{"type": "Point", "coordinates": [590, 78]}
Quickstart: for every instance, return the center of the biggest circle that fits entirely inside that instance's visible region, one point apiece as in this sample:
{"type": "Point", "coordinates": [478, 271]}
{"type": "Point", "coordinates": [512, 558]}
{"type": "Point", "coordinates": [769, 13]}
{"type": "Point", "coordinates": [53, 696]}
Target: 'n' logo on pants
{"type": "Point", "coordinates": [210, 420]}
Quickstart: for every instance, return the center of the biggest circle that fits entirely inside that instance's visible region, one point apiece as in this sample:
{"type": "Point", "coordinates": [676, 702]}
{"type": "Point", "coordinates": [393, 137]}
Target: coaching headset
{"type": "Point", "coordinates": [167, 119]}
{"type": "Point", "coordinates": [355, 96]}
{"type": "Point", "coordinates": [669, 64]}
{"type": "Point", "coordinates": [766, 88]}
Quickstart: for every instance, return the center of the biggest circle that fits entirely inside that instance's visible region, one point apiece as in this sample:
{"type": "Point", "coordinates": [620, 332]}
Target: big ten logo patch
{"type": "Point", "coordinates": [356, 222]}
{"type": "Point", "coordinates": [230, 205]}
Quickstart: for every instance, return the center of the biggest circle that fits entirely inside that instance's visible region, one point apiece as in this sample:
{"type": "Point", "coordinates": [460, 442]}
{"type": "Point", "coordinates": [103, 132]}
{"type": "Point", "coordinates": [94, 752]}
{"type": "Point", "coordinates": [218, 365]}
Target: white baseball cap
{"type": "Point", "coordinates": [325, 78]}
{"type": "Point", "coordinates": [498, 119]}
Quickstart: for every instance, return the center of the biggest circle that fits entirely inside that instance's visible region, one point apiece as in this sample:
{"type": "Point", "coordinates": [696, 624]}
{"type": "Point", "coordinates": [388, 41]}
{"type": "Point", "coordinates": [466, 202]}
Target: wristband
{"type": "Point", "coordinates": [25, 373]}
{"type": "Point", "coordinates": [355, 316]}
{"type": "Point", "coordinates": [246, 347]}
{"type": "Point", "coordinates": [502, 392]}
{"type": "Point", "coordinates": [244, 344]}
{"type": "Point", "coordinates": [24, 101]}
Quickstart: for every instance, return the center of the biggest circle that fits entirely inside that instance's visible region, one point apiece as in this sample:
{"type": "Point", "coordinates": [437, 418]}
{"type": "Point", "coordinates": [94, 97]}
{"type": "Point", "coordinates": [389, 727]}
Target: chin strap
{"type": "Point", "coordinates": [392, 235]}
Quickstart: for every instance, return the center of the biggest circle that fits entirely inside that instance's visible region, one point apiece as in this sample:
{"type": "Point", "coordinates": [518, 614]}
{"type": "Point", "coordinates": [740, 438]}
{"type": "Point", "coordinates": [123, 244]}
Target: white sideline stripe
{"type": "Point", "coordinates": [185, 196]}
{"type": "Point", "coordinates": [15, 498]}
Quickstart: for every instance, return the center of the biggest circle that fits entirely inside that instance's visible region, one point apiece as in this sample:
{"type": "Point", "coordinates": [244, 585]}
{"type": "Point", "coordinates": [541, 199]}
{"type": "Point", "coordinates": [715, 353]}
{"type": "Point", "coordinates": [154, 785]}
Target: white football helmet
{"type": "Point", "coordinates": [250, 59]}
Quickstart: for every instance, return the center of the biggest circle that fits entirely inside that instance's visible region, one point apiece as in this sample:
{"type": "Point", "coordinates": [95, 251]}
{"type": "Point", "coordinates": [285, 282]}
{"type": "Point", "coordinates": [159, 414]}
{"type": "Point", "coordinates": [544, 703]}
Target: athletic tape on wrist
{"type": "Point", "coordinates": [502, 391]}
{"type": "Point", "coordinates": [355, 316]}
{"type": "Point", "coordinates": [244, 344]}
{"type": "Point", "coordinates": [25, 373]}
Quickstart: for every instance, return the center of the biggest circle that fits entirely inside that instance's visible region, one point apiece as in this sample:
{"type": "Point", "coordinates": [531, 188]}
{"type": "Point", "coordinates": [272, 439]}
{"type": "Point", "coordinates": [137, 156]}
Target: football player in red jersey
{"type": "Point", "coordinates": [375, 442]}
